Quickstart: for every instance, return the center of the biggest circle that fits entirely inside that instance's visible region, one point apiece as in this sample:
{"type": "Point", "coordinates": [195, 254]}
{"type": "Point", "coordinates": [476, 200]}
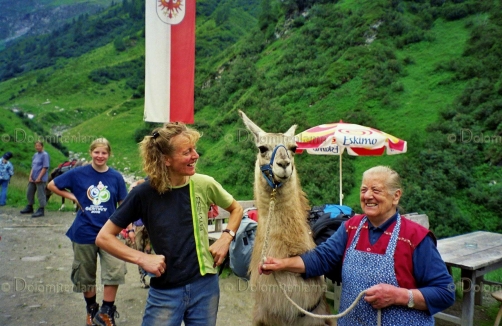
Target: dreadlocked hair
{"type": "Point", "coordinates": [155, 147]}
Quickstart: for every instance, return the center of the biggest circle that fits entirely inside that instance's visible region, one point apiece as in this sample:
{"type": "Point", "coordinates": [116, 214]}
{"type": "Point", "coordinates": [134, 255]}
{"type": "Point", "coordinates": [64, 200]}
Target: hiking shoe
{"type": "Point", "coordinates": [106, 316]}
{"type": "Point", "coordinates": [27, 210]}
{"type": "Point", "coordinates": [91, 312]}
{"type": "Point", "coordinates": [39, 212]}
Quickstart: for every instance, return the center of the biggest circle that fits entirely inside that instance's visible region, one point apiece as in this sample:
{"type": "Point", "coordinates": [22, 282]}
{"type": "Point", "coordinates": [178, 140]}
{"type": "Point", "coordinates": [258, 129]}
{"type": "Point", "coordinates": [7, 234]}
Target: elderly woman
{"type": "Point", "coordinates": [393, 259]}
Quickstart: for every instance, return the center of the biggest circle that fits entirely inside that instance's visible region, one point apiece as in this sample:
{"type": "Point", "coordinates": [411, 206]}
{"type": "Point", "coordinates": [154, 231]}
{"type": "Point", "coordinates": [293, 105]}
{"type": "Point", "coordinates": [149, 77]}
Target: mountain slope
{"type": "Point", "coordinates": [413, 70]}
{"type": "Point", "coordinates": [423, 71]}
{"type": "Point", "coordinates": [32, 17]}
{"type": "Point", "coordinates": [78, 94]}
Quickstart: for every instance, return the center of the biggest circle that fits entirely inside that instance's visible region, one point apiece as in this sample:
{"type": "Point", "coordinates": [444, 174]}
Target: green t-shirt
{"type": "Point", "coordinates": [177, 224]}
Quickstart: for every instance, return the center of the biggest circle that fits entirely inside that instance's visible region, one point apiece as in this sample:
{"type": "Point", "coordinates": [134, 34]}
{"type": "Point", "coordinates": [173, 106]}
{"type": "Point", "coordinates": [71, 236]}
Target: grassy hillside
{"type": "Point", "coordinates": [68, 98]}
{"type": "Point", "coordinates": [414, 70]}
{"type": "Point", "coordinates": [422, 71]}
{"type": "Point", "coordinates": [77, 98]}
{"type": "Point", "coordinates": [301, 79]}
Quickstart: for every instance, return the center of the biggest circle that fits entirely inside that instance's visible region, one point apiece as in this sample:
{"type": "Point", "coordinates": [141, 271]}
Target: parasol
{"type": "Point", "coordinates": [335, 138]}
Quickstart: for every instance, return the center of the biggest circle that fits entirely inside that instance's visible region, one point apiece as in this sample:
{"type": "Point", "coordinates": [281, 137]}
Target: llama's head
{"type": "Point", "coordinates": [276, 152]}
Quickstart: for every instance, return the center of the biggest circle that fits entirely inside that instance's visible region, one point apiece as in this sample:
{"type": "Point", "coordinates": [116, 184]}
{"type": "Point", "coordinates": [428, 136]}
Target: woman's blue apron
{"type": "Point", "coordinates": [360, 271]}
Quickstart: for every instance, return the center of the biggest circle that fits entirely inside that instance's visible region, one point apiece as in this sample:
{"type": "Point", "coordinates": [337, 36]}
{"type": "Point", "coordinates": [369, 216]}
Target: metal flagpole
{"type": "Point", "coordinates": [341, 194]}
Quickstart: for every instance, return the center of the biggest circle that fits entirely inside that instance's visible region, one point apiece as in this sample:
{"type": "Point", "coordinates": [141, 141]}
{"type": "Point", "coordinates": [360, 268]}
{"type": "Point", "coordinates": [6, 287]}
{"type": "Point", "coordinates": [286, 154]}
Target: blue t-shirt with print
{"type": "Point", "coordinates": [38, 162]}
{"type": "Point", "coordinates": [98, 194]}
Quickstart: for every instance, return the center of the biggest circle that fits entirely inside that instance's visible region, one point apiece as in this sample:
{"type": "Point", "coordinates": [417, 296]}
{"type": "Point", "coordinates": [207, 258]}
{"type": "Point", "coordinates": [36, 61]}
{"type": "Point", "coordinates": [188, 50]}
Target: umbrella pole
{"type": "Point", "coordinates": [341, 194]}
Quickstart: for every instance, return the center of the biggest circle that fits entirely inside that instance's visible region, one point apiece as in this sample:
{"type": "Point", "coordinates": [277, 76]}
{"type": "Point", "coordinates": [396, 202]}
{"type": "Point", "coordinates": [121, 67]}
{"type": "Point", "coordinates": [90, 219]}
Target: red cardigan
{"type": "Point", "coordinates": [410, 235]}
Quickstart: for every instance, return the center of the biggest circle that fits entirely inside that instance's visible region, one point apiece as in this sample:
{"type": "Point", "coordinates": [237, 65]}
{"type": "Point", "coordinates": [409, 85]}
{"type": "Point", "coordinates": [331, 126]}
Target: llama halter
{"type": "Point", "coordinates": [268, 173]}
{"type": "Point", "coordinates": [283, 288]}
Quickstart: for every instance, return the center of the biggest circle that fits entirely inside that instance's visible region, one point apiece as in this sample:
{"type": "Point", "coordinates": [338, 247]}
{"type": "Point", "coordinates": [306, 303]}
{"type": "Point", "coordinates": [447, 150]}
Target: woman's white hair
{"type": "Point", "coordinates": [393, 180]}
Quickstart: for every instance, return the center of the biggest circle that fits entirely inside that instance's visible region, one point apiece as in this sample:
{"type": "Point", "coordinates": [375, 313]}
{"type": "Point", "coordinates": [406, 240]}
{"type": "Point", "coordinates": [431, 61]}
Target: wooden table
{"type": "Point", "coordinates": [476, 254]}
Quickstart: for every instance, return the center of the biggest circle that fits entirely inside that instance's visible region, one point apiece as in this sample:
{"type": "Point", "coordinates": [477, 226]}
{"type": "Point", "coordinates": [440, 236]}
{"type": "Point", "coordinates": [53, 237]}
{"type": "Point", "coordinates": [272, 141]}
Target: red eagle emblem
{"type": "Point", "coordinates": [171, 8]}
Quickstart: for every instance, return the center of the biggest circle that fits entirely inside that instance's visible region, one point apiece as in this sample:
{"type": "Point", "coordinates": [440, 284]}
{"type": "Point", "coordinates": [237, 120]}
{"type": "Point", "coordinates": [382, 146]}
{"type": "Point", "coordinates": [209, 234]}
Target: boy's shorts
{"type": "Point", "coordinates": [85, 263]}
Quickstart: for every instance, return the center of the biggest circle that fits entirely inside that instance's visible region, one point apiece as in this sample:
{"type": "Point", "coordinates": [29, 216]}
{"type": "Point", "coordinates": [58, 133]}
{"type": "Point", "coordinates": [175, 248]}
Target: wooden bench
{"type": "Point", "coordinates": [421, 219]}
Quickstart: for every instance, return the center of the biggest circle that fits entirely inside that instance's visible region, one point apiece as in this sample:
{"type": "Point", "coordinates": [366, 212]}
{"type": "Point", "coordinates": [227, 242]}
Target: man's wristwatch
{"type": "Point", "coordinates": [411, 302]}
{"type": "Point", "coordinates": [131, 230]}
{"type": "Point", "coordinates": [232, 233]}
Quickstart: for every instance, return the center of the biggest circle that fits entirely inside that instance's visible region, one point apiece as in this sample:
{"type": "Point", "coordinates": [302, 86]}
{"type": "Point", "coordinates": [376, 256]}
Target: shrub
{"type": "Point", "coordinates": [397, 87]}
{"type": "Point", "coordinates": [144, 130]}
{"type": "Point", "coordinates": [119, 44]}
{"type": "Point", "coordinates": [455, 12]}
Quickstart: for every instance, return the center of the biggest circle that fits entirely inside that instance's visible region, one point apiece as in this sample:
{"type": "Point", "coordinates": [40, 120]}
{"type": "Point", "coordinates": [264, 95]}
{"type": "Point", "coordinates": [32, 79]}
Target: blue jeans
{"type": "Point", "coordinates": [3, 193]}
{"type": "Point", "coordinates": [194, 304]}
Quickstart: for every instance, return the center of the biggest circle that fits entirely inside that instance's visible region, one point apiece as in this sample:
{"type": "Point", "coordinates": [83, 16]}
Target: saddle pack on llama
{"type": "Point", "coordinates": [324, 221]}
{"type": "Point", "coordinates": [242, 247]}
{"type": "Point", "coordinates": [66, 166]}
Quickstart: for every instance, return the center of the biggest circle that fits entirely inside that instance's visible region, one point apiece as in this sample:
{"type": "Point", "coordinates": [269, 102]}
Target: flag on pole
{"type": "Point", "coordinates": [169, 60]}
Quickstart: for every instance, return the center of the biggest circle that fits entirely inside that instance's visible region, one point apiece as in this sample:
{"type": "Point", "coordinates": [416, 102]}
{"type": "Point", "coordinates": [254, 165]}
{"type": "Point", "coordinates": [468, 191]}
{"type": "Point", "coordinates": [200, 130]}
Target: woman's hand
{"type": "Point", "coordinates": [270, 265]}
{"type": "Point", "coordinates": [132, 235]}
{"type": "Point", "coordinates": [382, 295]}
{"type": "Point", "coordinates": [219, 249]}
{"type": "Point", "coordinates": [291, 264]}
{"type": "Point", "coordinates": [154, 264]}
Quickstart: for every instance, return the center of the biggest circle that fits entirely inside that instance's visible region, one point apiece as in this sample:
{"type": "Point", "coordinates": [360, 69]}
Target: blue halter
{"type": "Point", "coordinates": [266, 170]}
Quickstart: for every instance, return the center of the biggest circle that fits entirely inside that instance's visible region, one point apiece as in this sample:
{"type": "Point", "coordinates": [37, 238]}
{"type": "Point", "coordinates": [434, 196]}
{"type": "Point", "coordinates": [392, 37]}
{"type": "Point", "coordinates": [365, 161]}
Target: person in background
{"type": "Point", "coordinates": [137, 238]}
{"type": "Point", "coordinates": [37, 181]}
{"type": "Point", "coordinates": [6, 172]}
{"type": "Point", "coordinates": [173, 204]}
{"type": "Point", "coordinates": [98, 190]}
{"type": "Point", "coordinates": [392, 258]}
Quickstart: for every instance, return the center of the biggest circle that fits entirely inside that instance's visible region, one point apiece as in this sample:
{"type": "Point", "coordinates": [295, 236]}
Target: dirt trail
{"type": "Point", "coordinates": [35, 286]}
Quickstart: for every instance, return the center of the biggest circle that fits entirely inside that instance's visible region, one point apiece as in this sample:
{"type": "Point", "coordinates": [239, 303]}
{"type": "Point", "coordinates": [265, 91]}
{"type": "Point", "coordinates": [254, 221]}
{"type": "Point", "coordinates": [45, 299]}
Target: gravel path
{"type": "Point", "coordinates": [35, 286]}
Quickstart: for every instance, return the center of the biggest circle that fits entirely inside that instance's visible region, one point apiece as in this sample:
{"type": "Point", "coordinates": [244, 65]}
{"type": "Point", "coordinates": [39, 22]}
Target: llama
{"type": "Point", "coordinates": [284, 232]}
{"type": "Point", "coordinates": [59, 170]}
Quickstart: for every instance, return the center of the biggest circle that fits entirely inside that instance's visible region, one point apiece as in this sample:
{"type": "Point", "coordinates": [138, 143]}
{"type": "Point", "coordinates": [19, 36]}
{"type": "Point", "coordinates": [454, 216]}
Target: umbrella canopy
{"type": "Point", "coordinates": [334, 138]}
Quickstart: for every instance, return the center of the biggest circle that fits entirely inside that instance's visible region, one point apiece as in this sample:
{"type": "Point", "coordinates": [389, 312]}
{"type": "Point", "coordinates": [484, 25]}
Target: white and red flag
{"type": "Point", "coordinates": [169, 60]}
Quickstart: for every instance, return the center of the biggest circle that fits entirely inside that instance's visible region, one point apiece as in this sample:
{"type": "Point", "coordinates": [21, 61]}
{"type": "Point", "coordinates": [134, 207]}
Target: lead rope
{"type": "Point", "coordinates": [308, 313]}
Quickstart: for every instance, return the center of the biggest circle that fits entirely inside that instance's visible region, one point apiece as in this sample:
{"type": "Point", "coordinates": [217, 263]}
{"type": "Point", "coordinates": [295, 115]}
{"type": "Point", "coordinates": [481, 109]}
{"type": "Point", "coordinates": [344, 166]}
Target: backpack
{"type": "Point", "coordinates": [335, 210]}
{"type": "Point", "coordinates": [324, 223]}
{"type": "Point", "coordinates": [213, 211]}
{"type": "Point", "coordinates": [66, 166]}
{"type": "Point", "coordinates": [252, 213]}
{"type": "Point", "coordinates": [242, 246]}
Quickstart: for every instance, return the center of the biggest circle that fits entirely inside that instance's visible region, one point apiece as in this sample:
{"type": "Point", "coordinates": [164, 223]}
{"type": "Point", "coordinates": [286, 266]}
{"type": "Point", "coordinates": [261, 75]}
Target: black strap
{"type": "Point", "coordinates": [226, 262]}
{"type": "Point", "coordinates": [301, 314]}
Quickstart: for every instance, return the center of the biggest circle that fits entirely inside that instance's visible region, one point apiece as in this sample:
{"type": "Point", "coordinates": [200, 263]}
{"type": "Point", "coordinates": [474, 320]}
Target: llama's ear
{"type": "Point", "coordinates": [291, 131]}
{"type": "Point", "coordinates": [257, 131]}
